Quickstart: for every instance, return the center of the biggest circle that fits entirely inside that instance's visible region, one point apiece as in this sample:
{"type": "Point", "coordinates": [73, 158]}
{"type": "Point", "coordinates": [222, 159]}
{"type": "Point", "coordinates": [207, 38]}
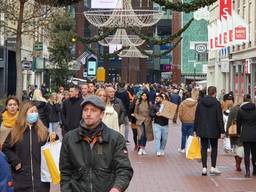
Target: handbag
{"type": "Point", "coordinates": [232, 130]}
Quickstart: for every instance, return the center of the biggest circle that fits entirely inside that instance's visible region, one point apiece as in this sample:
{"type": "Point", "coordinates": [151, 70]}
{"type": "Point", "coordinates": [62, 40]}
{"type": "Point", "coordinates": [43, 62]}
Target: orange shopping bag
{"type": "Point", "coordinates": [193, 150]}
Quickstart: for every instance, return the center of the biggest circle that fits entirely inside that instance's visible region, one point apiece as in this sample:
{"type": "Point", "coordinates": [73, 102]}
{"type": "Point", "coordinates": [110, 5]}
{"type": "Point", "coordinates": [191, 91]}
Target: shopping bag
{"type": "Point", "coordinates": [50, 155]}
{"type": "Point", "coordinates": [193, 150]}
{"type": "Point", "coordinates": [227, 144]}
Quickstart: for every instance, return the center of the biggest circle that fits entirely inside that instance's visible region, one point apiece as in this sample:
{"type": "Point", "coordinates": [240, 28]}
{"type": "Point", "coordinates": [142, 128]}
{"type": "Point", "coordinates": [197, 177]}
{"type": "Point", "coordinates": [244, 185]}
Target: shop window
{"type": "Point", "coordinates": [202, 56]}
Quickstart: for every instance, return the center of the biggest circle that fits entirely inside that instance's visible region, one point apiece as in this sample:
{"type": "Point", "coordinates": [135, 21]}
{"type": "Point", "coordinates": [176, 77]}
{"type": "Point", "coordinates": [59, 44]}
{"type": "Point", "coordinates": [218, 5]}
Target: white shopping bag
{"type": "Point", "coordinates": [53, 149]}
{"type": "Point", "coordinates": [239, 151]}
{"type": "Point", "coordinates": [227, 144]}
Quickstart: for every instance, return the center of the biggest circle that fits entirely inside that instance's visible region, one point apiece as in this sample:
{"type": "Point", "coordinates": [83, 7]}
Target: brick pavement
{"type": "Point", "coordinates": [174, 173]}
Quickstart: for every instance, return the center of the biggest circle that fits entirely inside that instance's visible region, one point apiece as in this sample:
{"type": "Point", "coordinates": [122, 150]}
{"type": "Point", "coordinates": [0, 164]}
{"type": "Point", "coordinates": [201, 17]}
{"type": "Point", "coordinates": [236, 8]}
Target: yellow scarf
{"type": "Point", "coordinates": [9, 120]}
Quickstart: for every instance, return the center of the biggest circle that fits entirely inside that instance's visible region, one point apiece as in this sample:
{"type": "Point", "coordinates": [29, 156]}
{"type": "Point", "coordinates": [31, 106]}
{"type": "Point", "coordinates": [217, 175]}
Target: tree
{"type": "Point", "coordinates": [26, 17]}
{"type": "Point", "coordinates": [62, 39]}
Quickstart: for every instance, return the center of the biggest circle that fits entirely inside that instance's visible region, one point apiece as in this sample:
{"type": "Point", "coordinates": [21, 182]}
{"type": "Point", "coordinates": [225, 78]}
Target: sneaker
{"type": "Point", "coordinates": [181, 150]}
{"type": "Point", "coordinates": [158, 154]}
{"type": "Point", "coordinates": [144, 152]}
{"type": "Point", "coordinates": [128, 142]}
{"type": "Point", "coordinates": [204, 172]}
{"type": "Point", "coordinates": [215, 171]}
{"type": "Point", "coordinates": [209, 150]}
{"type": "Point", "coordinates": [140, 152]}
{"type": "Point", "coordinates": [162, 153]}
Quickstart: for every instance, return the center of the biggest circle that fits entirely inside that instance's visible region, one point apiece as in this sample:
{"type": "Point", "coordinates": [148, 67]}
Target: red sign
{"type": "Point", "coordinates": [240, 33]}
{"type": "Point", "coordinates": [225, 8]}
{"type": "Point", "coordinates": [230, 35]}
{"type": "Point", "coordinates": [225, 37]}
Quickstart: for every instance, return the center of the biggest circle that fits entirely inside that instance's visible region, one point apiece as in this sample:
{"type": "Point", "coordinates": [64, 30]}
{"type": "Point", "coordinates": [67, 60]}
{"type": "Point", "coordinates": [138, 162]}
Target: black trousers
{"type": "Point", "coordinates": [249, 148]}
{"type": "Point", "coordinates": [214, 152]}
{"type": "Point", "coordinates": [135, 136]}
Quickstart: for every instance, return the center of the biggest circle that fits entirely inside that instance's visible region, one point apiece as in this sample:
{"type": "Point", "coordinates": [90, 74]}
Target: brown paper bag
{"type": "Point", "coordinates": [169, 110]}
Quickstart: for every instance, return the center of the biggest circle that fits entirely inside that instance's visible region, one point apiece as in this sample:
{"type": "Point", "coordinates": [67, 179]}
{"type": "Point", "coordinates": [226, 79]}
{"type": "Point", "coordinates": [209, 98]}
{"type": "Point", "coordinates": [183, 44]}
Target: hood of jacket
{"type": "Point", "coordinates": [208, 101]}
{"type": "Point", "coordinates": [247, 106]}
{"type": "Point", "coordinates": [40, 104]}
{"type": "Point", "coordinates": [190, 102]}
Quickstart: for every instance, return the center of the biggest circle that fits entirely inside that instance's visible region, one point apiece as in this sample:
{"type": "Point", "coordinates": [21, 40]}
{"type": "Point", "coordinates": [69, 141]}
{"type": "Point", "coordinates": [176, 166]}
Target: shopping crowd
{"type": "Point", "coordinates": [95, 121]}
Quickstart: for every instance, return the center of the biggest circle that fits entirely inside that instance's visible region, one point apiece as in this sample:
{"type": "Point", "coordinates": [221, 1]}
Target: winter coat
{"type": "Point", "coordinates": [187, 110]}
{"type": "Point", "coordinates": [54, 112]}
{"type": "Point", "coordinates": [43, 112]}
{"type": "Point", "coordinates": [98, 168]}
{"type": "Point", "coordinates": [110, 118]}
{"type": "Point", "coordinates": [28, 153]}
{"type": "Point", "coordinates": [209, 119]}
{"type": "Point", "coordinates": [246, 122]}
{"type": "Point", "coordinates": [232, 119]}
{"type": "Point", "coordinates": [71, 113]}
{"type": "Point", "coordinates": [120, 109]}
{"type": "Point", "coordinates": [175, 98]}
{"type": "Point", "coordinates": [122, 94]}
{"type": "Point", "coordinates": [6, 182]}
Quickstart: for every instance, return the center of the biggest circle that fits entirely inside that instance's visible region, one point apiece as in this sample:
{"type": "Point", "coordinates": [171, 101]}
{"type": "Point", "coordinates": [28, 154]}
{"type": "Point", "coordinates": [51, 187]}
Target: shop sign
{"type": "Point", "coordinates": [225, 8]}
{"type": "Point", "coordinates": [240, 33]}
{"type": "Point", "coordinates": [247, 66]}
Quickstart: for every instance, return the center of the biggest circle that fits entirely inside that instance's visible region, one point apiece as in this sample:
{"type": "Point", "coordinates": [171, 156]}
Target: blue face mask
{"type": "Point", "coordinates": [32, 118]}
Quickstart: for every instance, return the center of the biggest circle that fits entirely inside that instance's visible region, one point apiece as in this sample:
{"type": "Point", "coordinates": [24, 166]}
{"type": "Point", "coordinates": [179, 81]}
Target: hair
{"type": "Point", "coordinates": [51, 97]}
{"type": "Point", "coordinates": [195, 93]}
{"type": "Point", "coordinates": [187, 94]}
{"type": "Point", "coordinates": [100, 90]}
{"type": "Point", "coordinates": [121, 84]}
{"type": "Point", "coordinates": [247, 98]}
{"type": "Point", "coordinates": [140, 99]}
{"type": "Point", "coordinates": [37, 96]}
{"type": "Point", "coordinates": [21, 125]}
{"type": "Point", "coordinates": [212, 90]}
{"type": "Point", "coordinates": [12, 97]}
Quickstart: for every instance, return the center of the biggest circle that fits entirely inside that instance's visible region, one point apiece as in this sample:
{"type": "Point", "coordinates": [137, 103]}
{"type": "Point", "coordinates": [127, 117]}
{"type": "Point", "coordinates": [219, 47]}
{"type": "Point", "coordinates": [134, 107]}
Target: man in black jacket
{"type": "Point", "coordinates": [160, 126]}
{"type": "Point", "coordinates": [209, 126]}
{"type": "Point", "coordinates": [94, 157]}
{"type": "Point", "coordinates": [71, 110]}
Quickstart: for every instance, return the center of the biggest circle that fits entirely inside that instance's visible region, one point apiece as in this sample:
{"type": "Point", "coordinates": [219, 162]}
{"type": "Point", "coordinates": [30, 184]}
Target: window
{"type": "Point", "coordinates": [202, 56]}
{"type": "Point", "coordinates": [1, 53]}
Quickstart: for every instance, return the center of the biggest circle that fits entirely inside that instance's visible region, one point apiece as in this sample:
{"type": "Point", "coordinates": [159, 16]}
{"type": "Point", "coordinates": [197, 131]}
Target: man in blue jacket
{"type": "Point", "coordinates": [6, 183]}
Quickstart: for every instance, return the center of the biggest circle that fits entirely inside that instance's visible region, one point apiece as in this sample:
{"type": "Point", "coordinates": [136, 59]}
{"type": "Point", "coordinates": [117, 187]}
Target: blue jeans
{"type": "Point", "coordinates": [186, 130]}
{"type": "Point", "coordinates": [143, 138]}
{"type": "Point", "coordinates": [53, 126]}
{"type": "Point", "coordinates": [160, 136]}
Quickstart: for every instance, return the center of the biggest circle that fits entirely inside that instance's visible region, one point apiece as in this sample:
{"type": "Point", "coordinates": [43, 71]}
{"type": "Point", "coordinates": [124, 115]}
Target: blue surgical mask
{"type": "Point", "coordinates": [32, 118]}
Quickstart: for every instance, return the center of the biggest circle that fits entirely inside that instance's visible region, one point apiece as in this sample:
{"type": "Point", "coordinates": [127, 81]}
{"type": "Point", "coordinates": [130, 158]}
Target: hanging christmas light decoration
{"type": "Point", "coordinates": [132, 52]}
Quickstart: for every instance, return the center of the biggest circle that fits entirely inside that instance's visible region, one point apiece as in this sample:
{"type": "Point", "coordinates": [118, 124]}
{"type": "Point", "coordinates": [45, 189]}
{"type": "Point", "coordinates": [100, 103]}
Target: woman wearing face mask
{"type": "Point", "coordinates": [23, 150]}
{"type": "Point", "coordinates": [9, 116]}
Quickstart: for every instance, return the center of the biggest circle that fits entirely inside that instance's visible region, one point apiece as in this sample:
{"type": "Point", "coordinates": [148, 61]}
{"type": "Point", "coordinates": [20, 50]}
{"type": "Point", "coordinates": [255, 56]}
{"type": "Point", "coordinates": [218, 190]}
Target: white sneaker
{"type": "Point", "coordinates": [140, 152]}
{"type": "Point", "coordinates": [162, 153]}
{"type": "Point", "coordinates": [181, 150]}
{"type": "Point", "coordinates": [215, 171]}
{"type": "Point", "coordinates": [158, 154]}
{"type": "Point", "coordinates": [204, 172]}
{"type": "Point", "coordinates": [144, 152]}
{"type": "Point", "coordinates": [209, 150]}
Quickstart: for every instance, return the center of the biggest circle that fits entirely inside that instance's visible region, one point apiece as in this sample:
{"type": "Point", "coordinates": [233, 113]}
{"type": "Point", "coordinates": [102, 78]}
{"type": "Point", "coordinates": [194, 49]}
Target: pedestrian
{"type": "Point", "coordinates": [6, 181]}
{"type": "Point", "coordinates": [71, 110]}
{"type": "Point", "coordinates": [54, 109]}
{"type": "Point", "coordinates": [91, 88]}
{"type": "Point", "coordinates": [9, 116]}
{"type": "Point", "coordinates": [235, 139]}
{"type": "Point", "coordinates": [143, 119]}
{"type": "Point", "coordinates": [246, 128]}
{"type": "Point", "coordinates": [41, 104]}
{"type": "Point", "coordinates": [84, 90]}
{"type": "Point", "coordinates": [187, 110]}
{"type": "Point", "coordinates": [93, 156]}
{"type": "Point", "coordinates": [209, 126]}
{"type": "Point", "coordinates": [23, 150]}
{"type": "Point", "coordinates": [110, 117]}
{"type": "Point", "coordinates": [160, 126]}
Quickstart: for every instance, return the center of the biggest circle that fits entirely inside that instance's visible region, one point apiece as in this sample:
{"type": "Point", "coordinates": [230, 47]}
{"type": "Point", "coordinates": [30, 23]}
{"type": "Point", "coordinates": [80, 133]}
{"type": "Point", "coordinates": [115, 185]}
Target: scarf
{"type": "Point", "coordinates": [9, 120]}
{"type": "Point", "coordinates": [90, 135]}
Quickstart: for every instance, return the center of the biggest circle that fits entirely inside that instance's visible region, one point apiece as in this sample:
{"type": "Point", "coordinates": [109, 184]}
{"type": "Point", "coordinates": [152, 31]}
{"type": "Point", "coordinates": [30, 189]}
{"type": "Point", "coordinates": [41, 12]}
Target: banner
{"type": "Point", "coordinates": [225, 8]}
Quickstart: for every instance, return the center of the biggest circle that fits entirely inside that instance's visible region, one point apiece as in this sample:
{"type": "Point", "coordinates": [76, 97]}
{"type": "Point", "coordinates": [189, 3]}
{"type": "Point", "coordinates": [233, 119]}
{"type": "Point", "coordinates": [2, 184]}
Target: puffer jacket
{"type": "Point", "coordinates": [246, 122]}
{"type": "Point", "coordinates": [187, 110]}
{"type": "Point", "coordinates": [96, 168]}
